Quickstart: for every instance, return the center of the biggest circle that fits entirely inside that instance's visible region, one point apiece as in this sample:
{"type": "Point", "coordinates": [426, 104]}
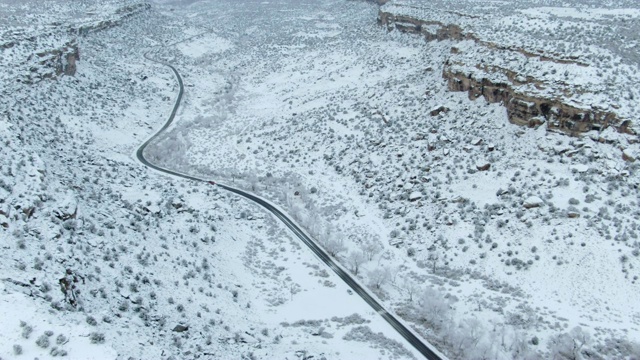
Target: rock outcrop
{"type": "Point", "coordinates": [60, 61]}
{"type": "Point", "coordinates": [431, 30]}
{"type": "Point", "coordinates": [63, 53]}
{"type": "Point", "coordinates": [533, 111]}
{"type": "Point", "coordinates": [119, 17]}
{"type": "Point", "coordinates": [522, 109]}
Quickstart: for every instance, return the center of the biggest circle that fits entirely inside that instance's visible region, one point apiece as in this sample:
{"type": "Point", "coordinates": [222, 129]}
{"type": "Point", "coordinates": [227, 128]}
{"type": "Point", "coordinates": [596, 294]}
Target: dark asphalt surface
{"type": "Point", "coordinates": [417, 343]}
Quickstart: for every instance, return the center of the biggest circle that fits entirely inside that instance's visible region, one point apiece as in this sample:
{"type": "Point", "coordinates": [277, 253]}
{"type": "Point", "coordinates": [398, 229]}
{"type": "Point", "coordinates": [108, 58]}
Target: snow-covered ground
{"type": "Point", "coordinates": [492, 240]}
{"type": "Point", "coordinates": [103, 259]}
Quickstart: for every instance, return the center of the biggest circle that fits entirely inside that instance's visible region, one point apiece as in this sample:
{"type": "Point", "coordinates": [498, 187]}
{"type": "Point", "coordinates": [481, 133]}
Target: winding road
{"type": "Point", "coordinates": [428, 351]}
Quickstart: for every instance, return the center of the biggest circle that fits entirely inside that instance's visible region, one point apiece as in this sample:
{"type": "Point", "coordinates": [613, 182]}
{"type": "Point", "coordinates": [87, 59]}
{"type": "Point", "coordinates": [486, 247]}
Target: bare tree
{"type": "Point", "coordinates": [434, 307]}
{"type": "Point", "coordinates": [355, 259]}
{"type": "Point", "coordinates": [569, 345]}
{"type": "Point", "coordinates": [253, 181]}
{"type": "Point", "coordinates": [410, 287]}
{"type": "Point", "coordinates": [394, 273]}
{"type": "Point", "coordinates": [379, 276]}
{"type": "Point", "coordinates": [334, 246]}
{"type": "Point", "coordinates": [371, 248]}
{"type": "Point", "coordinates": [433, 257]}
{"type": "Point", "coordinates": [520, 347]}
{"type": "Point", "coordinates": [474, 329]}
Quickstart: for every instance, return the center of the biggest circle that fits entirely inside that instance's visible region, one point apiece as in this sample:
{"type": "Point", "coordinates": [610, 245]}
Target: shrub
{"type": "Point", "coordinates": [26, 330]}
{"type": "Point", "coordinates": [43, 341]}
{"type": "Point", "coordinates": [411, 252]}
{"type": "Point", "coordinates": [96, 338]}
{"type": "Point", "coordinates": [124, 306]}
{"type": "Point", "coordinates": [535, 340]}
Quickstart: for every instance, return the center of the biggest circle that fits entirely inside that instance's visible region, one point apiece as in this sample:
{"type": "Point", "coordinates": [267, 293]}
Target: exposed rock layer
{"type": "Point", "coordinates": [62, 60]}
{"type": "Point", "coordinates": [122, 14]}
{"type": "Point", "coordinates": [522, 109]}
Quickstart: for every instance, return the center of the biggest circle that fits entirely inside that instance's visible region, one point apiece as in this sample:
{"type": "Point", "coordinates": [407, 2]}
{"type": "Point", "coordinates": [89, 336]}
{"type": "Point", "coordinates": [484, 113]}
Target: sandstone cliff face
{"type": "Point", "coordinates": [522, 109]}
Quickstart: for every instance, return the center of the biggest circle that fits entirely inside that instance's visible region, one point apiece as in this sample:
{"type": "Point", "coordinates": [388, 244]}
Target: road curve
{"type": "Point", "coordinates": [427, 351]}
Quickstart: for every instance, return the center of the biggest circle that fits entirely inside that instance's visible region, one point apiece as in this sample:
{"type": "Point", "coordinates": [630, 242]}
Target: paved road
{"type": "Point", "coordinates": [428, 351]}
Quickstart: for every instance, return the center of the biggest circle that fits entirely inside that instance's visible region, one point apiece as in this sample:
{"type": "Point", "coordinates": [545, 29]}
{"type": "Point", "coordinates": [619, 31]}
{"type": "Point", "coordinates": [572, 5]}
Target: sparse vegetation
{"type": "Point", "coordinates": [348, 147]}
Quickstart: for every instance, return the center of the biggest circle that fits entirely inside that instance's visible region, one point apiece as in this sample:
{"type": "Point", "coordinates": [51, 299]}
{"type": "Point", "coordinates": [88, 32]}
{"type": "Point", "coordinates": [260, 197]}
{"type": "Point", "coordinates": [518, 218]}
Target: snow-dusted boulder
{"type": "Point", "coordinates": [629, 155]}
{"type": "Point", "coordinates": [573, 214]}
{"type": "Point", "coordinates": [415, 196]}
{"type": "Point", "coordinates": [581, 168]}
{"type": "Point", "coordinates": [438, 110]}
{"type": "Point", "coordinates": [483, 165]}
{"type": "Point", "coordinates": [66, 208]}
{"type": "Point", "coordinates": [533, 202]}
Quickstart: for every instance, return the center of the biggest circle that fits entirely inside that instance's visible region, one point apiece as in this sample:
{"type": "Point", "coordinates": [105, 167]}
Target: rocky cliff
{"type": "Point", "coordinates": [508, 87]}
{"type": "Point", "coordinates": [533, 111]}
{"type": "Point", "coordinates": [53, 51]}
{"type": "Point", "coordinates": [60, 61]}
{"type": "Point", "coordinates": [121, 15]}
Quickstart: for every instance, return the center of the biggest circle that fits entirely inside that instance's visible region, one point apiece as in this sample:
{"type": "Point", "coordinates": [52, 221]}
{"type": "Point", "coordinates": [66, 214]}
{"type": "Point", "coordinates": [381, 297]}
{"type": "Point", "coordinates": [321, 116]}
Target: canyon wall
{"type": "Point", "coordinates": [522, 108]}
{"type": "Point", "coordinates": [61, 53]}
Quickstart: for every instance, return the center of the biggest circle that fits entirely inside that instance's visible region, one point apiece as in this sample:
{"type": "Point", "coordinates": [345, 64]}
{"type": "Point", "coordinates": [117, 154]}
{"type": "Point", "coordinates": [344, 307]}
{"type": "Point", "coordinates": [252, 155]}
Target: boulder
{"type": "Point", "coordinates": [415, 196]}
{"type": "Point", "coordinates": [532, 202]}
{"type": "Point", "coordinates": [573, 214]}
{"type": "Point", "coordinates": [483, 166]}
{"type": "Point", "coordinates": [180, 328]}
{"type": "Point", "coordinates": [67, 208]}
{"type": "Point", "coordinates": [628, 155]}
{"type": "Point", "coordinates": [581, 168]}
{"type": "Point", "coordinates": [437, 111]}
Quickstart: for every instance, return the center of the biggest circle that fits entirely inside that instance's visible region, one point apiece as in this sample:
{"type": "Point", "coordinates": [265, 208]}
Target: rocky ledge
{"type": "Point", "coordinates": [529, 101]}
{"type": "Point", "coordinates": [52, 51]}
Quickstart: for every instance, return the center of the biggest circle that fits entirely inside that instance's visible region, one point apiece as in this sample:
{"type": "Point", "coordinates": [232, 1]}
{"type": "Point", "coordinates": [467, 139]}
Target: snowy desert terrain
{"type": "Point", "coordinates": [473, 163]}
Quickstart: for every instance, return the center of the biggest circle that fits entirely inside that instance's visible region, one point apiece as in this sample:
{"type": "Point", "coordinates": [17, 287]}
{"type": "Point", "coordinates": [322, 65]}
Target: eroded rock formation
{"type": "Point", "coordinates": [62, 59]}
{"type": "Point", "coordinates": [121, 15]}
{"type": "Point", "coordinates": [522, 109]}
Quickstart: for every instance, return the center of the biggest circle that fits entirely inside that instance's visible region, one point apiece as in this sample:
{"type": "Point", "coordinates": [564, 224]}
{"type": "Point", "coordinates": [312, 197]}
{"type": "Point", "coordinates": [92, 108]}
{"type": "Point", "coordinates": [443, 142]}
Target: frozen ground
{"type": "Point", "coordinates": [314, 106]}
{"type": "Point", "coordinates": [585, 52]}
{"type": "Point", "coordinates": [103, 259]}
{"type": "Point", "coordinates": [336, 126]}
